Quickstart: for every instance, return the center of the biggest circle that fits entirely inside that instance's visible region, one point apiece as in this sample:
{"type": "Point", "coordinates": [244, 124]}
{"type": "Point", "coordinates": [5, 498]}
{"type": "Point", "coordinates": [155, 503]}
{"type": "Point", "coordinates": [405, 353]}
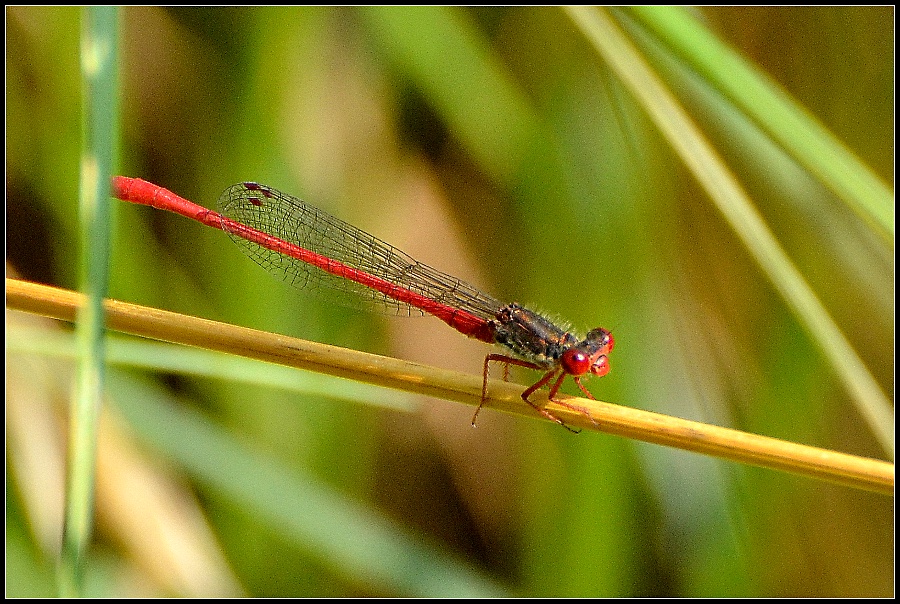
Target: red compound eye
{"type": "Point", "coordinates": [575, 362]}
{"type": "Point", "coordinates": [601, 366]}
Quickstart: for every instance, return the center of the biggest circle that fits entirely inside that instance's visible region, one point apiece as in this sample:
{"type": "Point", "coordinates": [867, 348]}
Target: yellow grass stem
{"type": "Point", "coordinates": [857, 472]}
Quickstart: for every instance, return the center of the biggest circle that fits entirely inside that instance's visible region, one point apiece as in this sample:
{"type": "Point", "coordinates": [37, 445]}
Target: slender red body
{"type": "Point", "coordinates": [143, 192]}
{"type": "Point", "coordinates": [311, 246]}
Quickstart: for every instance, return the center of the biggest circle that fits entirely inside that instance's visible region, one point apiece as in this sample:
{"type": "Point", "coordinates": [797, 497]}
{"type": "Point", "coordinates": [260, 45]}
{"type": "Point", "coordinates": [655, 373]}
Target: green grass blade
{"type": "Point", "coordinates": [356, 542]}
{"type": "Point", "coordinates": [779, 115]}
{"type": "Point", "coordinates": [184, 360]}
{"type": "Point", "coordinates": [731, 200]}
{"type": "Point", "coordinates": [443, 53]}
{"type": "Point", "coordinates": [100, 94]}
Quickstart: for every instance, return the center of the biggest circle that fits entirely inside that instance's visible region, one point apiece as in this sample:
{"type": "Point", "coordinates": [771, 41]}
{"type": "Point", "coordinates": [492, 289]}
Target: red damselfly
{"type": "Point", "coordinates": [306, 246]}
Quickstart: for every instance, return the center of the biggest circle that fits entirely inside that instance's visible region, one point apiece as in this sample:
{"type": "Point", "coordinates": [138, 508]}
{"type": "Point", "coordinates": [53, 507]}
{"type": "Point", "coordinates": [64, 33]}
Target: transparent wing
{"type": "Point", "coordinates": [302, 224]}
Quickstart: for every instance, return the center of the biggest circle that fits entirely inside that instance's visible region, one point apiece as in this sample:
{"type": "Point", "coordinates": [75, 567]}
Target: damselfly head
{"type": "Point", "coordinates": [590, 355]}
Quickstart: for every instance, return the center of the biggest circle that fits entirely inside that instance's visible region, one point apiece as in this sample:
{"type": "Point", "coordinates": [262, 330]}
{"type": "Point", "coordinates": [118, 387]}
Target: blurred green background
{"type": "Point", "coordinates": [491, 143]}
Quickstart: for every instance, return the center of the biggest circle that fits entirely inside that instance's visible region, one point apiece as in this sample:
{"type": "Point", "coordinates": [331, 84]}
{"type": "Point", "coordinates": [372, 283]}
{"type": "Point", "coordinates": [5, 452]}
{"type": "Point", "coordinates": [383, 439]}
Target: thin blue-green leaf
{"type": "Point", "coordinates": [98, 68]}
{"type": "Point", "coordinates": [782, 117]}
{"type": "Point", "coordinates": [730, 198]}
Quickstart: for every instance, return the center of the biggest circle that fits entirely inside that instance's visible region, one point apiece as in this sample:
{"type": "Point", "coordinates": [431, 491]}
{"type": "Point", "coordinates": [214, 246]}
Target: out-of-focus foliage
{"type": "Point", "coordinates": [491, 143]}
